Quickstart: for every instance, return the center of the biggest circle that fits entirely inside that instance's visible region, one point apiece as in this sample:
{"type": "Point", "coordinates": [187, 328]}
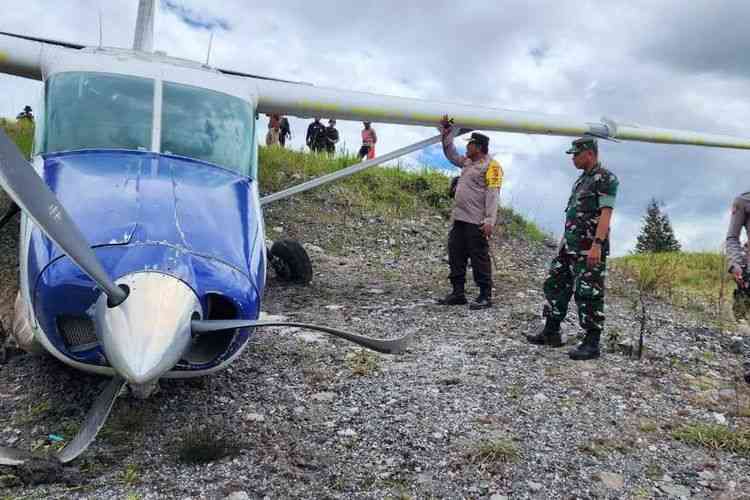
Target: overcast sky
{"type": "Point", "coordinates": [672, 64]}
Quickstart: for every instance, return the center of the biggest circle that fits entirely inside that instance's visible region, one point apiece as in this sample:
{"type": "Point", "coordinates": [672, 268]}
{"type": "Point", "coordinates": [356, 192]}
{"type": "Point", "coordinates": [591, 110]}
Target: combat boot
{"type": "Point", "coordinates": [455, 298]}
{"type": "Point", "coordinates": [483, 301]}
{"type": "Point", "coordinates": [589, 348]}
{"type": "Point", "coordinates": [549, 334]}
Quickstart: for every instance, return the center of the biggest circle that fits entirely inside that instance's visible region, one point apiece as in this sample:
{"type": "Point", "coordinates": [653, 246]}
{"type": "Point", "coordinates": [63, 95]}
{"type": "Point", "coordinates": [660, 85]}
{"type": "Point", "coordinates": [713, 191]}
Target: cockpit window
{"type": "Point", "coordinates": [208, 126]}
{"type": "Point", "coordinates": [98, 110]}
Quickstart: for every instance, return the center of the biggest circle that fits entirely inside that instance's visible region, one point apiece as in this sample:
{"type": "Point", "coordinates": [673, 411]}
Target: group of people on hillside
{"type": "Point", "coordinates": [323, 139]}
{"type": "Point", "coordinates": [579, 269]}
{"type": "Point", "coordinates": [320, 138]}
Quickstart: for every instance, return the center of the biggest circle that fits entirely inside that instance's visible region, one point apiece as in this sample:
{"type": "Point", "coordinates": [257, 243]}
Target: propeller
{"type": "Point", "coordinates": [29, 191]}
{"type": "Point", "coordinates": [391, 346]}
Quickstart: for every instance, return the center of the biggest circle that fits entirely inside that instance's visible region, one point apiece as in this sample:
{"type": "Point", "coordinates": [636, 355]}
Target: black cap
{"type": "Point", "coordinates": [27, 108]}
{"type": "Point", "coordinates": [583, 144]}
{"type": "Point", "coordinates": [479, 139]}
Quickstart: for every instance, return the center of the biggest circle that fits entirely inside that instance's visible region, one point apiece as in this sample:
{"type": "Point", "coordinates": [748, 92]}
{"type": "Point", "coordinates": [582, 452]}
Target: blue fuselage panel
{"type": "Point", "coordinates": [149, 212]}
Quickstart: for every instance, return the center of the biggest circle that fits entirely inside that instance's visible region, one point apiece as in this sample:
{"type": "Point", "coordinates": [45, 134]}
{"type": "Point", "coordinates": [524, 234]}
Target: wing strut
{"type": "Point", "coordinates": [346, 172]}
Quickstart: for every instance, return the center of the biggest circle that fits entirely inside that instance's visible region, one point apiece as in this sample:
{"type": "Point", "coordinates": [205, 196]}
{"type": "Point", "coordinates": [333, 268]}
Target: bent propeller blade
{"type": "Point", "coordinates": [95, 419]}
{"type": "Point", "coordinates": [29, 191]}
{"type": "Point", "coordinates": [391, 346]}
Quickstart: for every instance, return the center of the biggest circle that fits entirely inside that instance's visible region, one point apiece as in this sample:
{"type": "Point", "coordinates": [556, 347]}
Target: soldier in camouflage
{"type": "Point", "coordinates": [579, 268]}
{"type": "Point", "coordinates": [738, 265]}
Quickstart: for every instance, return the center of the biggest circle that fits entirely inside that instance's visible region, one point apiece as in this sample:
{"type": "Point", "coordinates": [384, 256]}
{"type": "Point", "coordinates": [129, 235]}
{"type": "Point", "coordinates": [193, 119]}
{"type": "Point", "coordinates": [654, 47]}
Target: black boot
{"type": "Point", "coordinates": [549, 334]}
{"type": "Point", "coordinates": [747, 371]}
{"type": "Point", "coordinates": [484, 301]}
{"type": "Point", "coordinates": [455, 298]}
{"type": "Point", "coordinates": [589, 348]}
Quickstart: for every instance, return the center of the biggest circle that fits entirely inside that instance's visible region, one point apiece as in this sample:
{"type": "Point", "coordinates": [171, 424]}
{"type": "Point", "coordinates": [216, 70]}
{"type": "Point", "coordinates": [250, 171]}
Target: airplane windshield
{"type": "Point", "coordinates": [98, 110]}
{"type": "Point", "coordinates": [207, 125]}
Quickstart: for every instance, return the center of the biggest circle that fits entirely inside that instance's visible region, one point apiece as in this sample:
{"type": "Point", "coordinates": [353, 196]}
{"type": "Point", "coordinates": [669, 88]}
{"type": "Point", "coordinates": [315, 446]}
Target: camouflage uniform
{"type": "Point", "coordinates": [569, 273]}
{"type": "Point", "coordinates": [738, 262]}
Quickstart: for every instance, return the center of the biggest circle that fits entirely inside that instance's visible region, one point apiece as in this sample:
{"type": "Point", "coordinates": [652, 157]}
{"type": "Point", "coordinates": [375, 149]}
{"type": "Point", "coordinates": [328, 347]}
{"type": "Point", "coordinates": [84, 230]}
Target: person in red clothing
{"type": "Point", "coordinates": [369, 138]}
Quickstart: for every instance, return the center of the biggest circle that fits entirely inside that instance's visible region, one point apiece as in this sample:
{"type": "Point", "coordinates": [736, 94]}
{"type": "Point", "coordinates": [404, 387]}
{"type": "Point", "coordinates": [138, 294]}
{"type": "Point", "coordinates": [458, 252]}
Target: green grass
{"type": "Point", "coordinates": [697, 281]}
{"type": "Point", "coordinates": [715, 437]}
{"type": "Point", "coordinates": [493, 451]}
{"type": "Point", "coordinates": [21, 132]}
{"type": "Point", "coordinates": [382, 190]}
{"type": "Point", "coordinates": [699, 272]}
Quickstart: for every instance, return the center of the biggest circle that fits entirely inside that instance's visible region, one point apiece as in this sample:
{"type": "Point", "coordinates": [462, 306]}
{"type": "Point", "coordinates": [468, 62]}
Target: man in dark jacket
{"type": "Point", "coordinates": [315, 136]}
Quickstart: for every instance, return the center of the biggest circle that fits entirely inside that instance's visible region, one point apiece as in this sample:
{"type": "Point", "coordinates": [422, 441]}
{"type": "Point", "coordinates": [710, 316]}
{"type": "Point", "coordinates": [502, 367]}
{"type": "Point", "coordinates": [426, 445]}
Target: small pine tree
{"type": "Point", "coordinates": [656, 234]}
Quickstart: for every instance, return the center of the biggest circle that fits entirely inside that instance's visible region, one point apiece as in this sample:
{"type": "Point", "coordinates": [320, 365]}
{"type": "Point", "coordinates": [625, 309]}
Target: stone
{"type": "Point", "coordinates": [540, 398]}
{"type": "Point", "coordinates": [348, 432]}
{"type": "Point", "coordinates": [324, 397]}
{"type": "Point", "coordinates": [253, 417]}
{"type": "Point", "coordinates": [534, 486]}
{"type": "Point", "coordinates": [610, 480]}
{"type": "Point", "coordinates": [720, 419]}
{"type": "Point", "coordinates": [497, 496]}
{"type": "Point", "coordinates": [278, 229]}
{"type": "Point", "coordinates": [675, 490]}
{"type": "Point", "coordinates": [238, 495]}
{"type": "Point", "coordinates": [313, 248]}
{"type": "Point", "coordinates": [707, 475]}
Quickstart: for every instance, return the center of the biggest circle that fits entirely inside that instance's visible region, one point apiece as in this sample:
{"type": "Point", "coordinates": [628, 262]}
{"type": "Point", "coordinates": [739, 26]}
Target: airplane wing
{"type": "Point", "coordinates": [21, 55]}
{"type": "Point", "coordinates": [306, 100]}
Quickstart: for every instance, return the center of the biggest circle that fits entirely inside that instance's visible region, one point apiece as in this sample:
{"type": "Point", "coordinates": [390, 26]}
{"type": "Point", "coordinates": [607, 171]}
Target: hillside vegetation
{"type": "Point", "coordinates": [21, 132]}
{"type": "Point", "coordinates": [693, 280]}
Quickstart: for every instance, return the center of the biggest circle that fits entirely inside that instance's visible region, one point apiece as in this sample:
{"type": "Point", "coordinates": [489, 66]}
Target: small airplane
{"type": "Point", "coordinates": [142, 245]}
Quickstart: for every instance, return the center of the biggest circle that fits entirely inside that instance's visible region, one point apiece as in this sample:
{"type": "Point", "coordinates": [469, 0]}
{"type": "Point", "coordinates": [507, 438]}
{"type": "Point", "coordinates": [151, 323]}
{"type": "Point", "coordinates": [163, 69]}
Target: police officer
{"type": "Point", "coordinates": [474, 214]}
{"type": "Point", "coordinates": [580, 266]}
{"type": "Point", "coordinates": [738, 264]}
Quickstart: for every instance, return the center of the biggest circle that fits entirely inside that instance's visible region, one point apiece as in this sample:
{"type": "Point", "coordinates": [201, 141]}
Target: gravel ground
{"type": "Point", "coordinates": [469, 411]}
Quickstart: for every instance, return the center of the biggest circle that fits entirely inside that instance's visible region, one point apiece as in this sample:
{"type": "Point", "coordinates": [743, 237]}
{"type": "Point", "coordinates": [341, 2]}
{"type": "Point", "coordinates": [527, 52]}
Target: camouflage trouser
{"type": "Point", "coordinates": [741, 302]}
{"type": "Point", "coordinates": [567, 274]}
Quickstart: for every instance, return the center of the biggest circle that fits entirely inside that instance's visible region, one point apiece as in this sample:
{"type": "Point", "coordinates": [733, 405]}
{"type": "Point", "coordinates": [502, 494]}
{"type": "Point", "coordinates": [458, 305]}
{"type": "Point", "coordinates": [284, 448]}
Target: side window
{"type": "Point", "coordinates": [98, 110]}
{"type": "Point", "coordinates": [207, 125]}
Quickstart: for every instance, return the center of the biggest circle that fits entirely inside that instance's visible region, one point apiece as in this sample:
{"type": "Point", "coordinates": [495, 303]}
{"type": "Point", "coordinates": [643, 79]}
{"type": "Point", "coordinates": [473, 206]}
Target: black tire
{"type": "Point", "coordinates": [291, 262]}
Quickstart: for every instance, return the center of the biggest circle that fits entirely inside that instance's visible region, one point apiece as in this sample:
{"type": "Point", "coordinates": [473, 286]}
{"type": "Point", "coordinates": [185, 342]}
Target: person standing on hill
{"type": "Point", "coordinates": [369, 138]}
{"type": "Point", "coordinates": [738, 265]}
{"type": "Point", "coordinates": [474, 214]}
{"type": "Point", "coordinates": [26, 114]}
{"type": "Point", "coordinates": [331, 136]}
{"type": "Point", "coordinates": [285, 131]}
{"type": "Point", "coordinates": [316, 135]}
{"type": "Point", "coordinates": [274, 128]}
{"type": "Point", "coordinates": [580, 265]}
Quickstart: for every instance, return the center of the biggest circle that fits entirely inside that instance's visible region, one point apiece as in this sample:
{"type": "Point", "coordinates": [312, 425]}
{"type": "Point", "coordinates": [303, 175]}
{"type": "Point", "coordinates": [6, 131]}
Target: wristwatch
{"type": "Point", "coordinates": [599, 241]}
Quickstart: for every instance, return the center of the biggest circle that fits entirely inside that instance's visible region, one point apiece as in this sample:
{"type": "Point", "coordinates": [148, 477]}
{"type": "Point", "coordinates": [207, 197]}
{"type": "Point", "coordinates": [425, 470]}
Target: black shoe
{"type": "Point", "coordinates": [453, 299]}
{"type": "Point", "coordinates": [549, 335]}
{"type": "Point", "coordinates": [484, 301]}
{"type": "Point", "coordinates": [747, 371]}
{"type": "Point", "coordinates": [588, 349]}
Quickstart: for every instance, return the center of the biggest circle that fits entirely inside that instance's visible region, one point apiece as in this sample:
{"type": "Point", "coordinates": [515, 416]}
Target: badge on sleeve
{"type": "Point", "coordinates": [494, 176]}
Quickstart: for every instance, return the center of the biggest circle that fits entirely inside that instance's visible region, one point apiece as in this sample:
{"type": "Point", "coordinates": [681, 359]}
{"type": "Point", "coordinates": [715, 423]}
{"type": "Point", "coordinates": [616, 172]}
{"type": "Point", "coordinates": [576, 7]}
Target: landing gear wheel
{"type": "Point", "coordinates": [291, 262]}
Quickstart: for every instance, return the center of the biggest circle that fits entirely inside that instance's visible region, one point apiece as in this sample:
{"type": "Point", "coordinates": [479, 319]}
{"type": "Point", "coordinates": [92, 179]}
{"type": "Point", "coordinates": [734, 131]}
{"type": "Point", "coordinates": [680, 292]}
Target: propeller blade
{"type": "Point", "coordinates": [392, 346]}
{"type": "Point", "coordinates": [95, 419]}
{"type": "Point", "coordinates": [29, 191]}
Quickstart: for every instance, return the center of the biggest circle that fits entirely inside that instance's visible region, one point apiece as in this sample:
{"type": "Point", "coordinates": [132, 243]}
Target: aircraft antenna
{"type": "Point", "coordinates": [144, 26]}
{"type": "Point", "coordinates": [100, 27]}
{"type": "Point", "coordinates": [210, 43]}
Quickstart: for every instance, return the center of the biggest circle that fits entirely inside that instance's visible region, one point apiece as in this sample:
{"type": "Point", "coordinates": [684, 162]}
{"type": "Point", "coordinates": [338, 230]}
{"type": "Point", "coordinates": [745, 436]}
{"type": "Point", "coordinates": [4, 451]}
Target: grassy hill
{"type": "Point", "coordinates": [21, 132]}
{"type": "Point", "coordinates": [694, 280]}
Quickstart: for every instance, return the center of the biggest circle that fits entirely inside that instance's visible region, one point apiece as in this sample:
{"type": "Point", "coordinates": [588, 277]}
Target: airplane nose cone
{"type": "Point", "coordinates": [145, 336]}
